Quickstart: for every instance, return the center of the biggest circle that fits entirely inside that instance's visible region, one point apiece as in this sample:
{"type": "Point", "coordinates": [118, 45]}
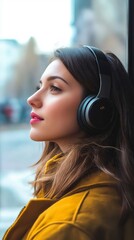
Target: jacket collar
{"type": "Point", "coordinates": [96, 179]}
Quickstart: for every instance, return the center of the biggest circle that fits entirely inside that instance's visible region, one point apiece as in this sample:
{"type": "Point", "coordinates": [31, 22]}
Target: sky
{"type": "Point", "coordinates": [46, 20]}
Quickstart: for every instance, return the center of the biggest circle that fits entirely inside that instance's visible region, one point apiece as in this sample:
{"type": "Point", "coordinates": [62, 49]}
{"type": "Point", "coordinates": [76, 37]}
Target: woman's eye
{"type": "Point", "coordinates": [55, 89]}
{"type": "Point", "coordinates": [52, 88]}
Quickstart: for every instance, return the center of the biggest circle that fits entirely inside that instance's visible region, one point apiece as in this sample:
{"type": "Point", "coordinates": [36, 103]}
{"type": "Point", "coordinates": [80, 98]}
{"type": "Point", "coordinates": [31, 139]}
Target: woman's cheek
{"type": "Point", "coordinates": [60, 106]}
{"type": "Point", "coordinates": [55, 104]}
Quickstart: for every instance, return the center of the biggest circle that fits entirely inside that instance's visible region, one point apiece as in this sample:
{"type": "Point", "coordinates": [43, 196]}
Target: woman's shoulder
{"type": "Point", "coordinates": [91, 210]}
{"type": "Point", "coordinates": [93, 199]}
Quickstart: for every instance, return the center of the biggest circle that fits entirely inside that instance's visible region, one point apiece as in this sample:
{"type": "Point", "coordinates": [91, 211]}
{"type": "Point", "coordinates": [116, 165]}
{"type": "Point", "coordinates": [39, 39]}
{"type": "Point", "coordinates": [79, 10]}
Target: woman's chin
{"type": "Point", "coordinates": [35, 137]}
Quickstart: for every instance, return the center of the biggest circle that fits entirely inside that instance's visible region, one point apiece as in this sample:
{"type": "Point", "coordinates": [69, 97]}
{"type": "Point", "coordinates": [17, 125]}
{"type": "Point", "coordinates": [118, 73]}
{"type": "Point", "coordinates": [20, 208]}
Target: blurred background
{"type": "Point", "coordinates": [29, 32]}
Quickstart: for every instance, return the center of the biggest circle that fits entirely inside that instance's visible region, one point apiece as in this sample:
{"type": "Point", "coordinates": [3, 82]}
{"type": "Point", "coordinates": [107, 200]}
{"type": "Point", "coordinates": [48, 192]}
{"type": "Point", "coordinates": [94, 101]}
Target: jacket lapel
{"type": "Point", "coordinates": [27, 217]}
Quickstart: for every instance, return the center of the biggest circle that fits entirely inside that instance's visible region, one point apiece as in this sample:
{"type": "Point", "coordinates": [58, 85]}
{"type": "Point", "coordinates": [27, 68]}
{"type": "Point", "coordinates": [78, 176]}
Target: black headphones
{"type": "Point", "coordinates": [96, 113]}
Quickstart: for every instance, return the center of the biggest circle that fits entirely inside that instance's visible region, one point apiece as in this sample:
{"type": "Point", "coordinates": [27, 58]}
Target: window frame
{"type": "Point", "coordinates": [131, 40]}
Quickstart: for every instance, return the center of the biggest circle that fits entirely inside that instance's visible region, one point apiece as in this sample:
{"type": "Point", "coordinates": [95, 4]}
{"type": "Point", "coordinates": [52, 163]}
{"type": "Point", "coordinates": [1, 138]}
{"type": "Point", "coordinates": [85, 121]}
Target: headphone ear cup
{"type": "Point", "coordinates": [81, 112]}
{"type": "Point", "coordinates": [95, 114]}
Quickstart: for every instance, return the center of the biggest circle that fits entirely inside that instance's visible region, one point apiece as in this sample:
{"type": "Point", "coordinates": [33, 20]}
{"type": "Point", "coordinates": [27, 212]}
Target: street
{"type": "Point", "coordinates": [17, 154]}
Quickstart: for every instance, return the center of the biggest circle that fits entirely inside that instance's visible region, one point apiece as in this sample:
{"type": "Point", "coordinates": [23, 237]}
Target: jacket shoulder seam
{"type": "Point", "coordinates": [72, 224]}
{"type": "Point", "coordinates": [79, 205]}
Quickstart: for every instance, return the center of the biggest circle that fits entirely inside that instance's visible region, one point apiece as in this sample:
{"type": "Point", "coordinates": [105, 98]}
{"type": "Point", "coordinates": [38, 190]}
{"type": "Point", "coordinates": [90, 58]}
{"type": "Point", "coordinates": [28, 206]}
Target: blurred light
{"type": "Point", "coordinates": [48, 21]}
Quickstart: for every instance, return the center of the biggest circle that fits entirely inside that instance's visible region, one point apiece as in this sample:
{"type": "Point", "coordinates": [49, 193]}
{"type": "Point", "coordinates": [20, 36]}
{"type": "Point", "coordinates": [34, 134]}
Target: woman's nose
{"type": "Point", "coordinates": [33, 101]}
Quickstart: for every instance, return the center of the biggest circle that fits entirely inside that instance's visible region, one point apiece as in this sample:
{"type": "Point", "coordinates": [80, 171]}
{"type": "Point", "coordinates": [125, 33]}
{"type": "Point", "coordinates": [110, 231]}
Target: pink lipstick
{"type": "Point", "coordinates": [35, 118]}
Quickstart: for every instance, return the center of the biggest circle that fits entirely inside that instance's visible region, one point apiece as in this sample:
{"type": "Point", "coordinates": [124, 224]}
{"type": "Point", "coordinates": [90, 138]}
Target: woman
{"type": "Point", "coordinates": [84, 186]}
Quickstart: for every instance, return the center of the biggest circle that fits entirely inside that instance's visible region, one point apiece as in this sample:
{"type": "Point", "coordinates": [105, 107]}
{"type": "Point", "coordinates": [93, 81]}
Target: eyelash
{"type": "Point", "coordinates": [52, 88]}
{"type": "Point", "coordinates": [55, 89]}
{"type": "Point", "coordinates": [37, 88]}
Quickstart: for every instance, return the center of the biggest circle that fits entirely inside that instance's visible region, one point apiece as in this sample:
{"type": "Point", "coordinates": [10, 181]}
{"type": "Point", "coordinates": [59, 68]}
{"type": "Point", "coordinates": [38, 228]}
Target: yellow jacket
{"type": "Point", "coordinates": [91, 211]}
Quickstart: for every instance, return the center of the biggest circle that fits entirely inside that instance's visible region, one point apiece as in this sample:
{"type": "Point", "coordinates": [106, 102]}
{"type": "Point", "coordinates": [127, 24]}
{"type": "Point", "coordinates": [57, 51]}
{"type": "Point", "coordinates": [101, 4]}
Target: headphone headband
{"type": "Point", "coordinates": [104, 71]}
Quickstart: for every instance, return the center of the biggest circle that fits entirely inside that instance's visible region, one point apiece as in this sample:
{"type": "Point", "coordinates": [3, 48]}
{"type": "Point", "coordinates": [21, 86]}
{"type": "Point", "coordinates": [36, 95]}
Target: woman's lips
{"type": "Point", "coordinates": [35, 118]}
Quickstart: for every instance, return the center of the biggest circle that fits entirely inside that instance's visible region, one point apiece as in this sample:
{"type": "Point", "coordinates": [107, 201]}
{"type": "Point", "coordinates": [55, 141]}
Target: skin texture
{"type": "Point", "coordinates": [56, 102]}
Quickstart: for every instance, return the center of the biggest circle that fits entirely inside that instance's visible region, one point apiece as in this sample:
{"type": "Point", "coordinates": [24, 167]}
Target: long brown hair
{"type": "Point", "coordinates": [111, 151]}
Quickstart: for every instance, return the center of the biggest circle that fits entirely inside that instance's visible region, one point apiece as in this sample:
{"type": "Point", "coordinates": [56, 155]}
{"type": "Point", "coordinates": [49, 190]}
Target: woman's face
{"type": "Point", "coordinates": [54, 107]}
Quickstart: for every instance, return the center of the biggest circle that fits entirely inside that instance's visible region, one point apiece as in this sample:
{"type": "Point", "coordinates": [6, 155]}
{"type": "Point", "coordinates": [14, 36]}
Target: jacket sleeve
{"type": "Point", "coordinates": [59, 231]}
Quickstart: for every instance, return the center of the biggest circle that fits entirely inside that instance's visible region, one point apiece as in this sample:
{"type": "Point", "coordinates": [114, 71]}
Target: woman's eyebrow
{"type": "Point", "coordinates": [57, 77]}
